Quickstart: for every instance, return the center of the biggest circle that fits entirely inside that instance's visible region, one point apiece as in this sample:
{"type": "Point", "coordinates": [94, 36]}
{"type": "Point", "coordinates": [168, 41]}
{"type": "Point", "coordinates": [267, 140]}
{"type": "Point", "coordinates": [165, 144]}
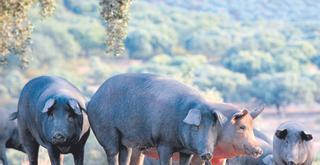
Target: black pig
{"type": "Point", "coordinates": [51, 114]}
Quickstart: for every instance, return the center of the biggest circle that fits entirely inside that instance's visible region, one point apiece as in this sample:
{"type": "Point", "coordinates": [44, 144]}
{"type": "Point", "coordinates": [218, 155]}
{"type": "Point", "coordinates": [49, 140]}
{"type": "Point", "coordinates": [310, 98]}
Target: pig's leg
{"type": "Point", "coordinates": [218, 161]}
{"type": "Point", "coordinates": [30, 146]}
{"type": "Point", "coordinates": [196, 160]}
{"type": "Point", "coordinates": [78, 151]}
{"type": "Point", "coordinates": [207, 162]}
{"type": "Point", "coordinates": [125, 155]}
{"type": "Point", "coordinates": [3, 156]}
{"type": "Point", "coordinates": [112, 157]}
{"type": "Point", "coordinates": [54, 155]}
{"type": "Point", "coordinates": [185, 159]}
{"type": "Point", "coordinates": [3, 140]}
{"type": "Point", "coordinates": [165, 154]}
{"type": "Point", "coordinates": [137, 158]}
{"type": "Point", "coordinates": [110, 145]}
{"type": "Point", "coordinates": [78, 155]}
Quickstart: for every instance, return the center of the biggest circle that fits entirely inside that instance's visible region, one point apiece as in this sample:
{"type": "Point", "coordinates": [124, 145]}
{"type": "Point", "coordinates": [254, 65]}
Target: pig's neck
{"type": "Point", "coordinates": [224, 150]}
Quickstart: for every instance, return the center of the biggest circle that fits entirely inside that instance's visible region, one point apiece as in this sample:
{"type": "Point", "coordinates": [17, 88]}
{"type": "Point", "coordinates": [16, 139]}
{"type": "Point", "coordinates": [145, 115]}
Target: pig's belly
{"type": "Point", "coordinates": [141, 141]}
{"type": "Point", "coordinates": [152, 153]}
{"type": "Point", "coordinates": [136, 132]}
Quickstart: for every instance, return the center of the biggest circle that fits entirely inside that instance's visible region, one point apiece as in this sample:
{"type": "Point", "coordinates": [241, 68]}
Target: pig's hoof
{"type": "Point", "coordinates": [206, 156]}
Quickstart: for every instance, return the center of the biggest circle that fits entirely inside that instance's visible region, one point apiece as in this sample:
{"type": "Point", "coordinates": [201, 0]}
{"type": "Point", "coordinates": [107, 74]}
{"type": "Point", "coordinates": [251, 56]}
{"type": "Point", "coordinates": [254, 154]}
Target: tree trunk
{"type": "Point", "coordinates": [280, 111]}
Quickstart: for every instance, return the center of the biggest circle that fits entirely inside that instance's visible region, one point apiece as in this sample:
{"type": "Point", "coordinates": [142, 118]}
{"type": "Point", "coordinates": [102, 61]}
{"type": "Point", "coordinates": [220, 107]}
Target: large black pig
{"type": "Point", "coordinates": [51, 114]}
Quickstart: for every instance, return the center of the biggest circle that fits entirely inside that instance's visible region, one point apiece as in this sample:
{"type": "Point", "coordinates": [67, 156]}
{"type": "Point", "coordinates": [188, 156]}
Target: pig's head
{"type": "Point", "coordinates": [292, 146]}
{"type": "Point", "coordinates": [199, 132]}
{"type": "Point", "coordinates": [236, 137]}
{"type": "Point", "coordinates": [62, 121]}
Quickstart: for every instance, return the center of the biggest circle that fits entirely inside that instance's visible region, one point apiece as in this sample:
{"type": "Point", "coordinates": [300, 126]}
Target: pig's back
{"type": "Point", "coordinates": [140, 92]}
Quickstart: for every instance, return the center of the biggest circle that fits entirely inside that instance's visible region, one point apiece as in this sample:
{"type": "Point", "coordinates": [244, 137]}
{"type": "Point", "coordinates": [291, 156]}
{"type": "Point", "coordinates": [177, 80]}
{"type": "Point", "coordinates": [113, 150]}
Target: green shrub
{"type": "Point", "coordinates": [250, 63]}
{"type": "Point", "coordinates": [13, 81]}
{"type": "Point", "coordinates": [232, 86]}
{"type": "Point", "coordinates": [283, 88]}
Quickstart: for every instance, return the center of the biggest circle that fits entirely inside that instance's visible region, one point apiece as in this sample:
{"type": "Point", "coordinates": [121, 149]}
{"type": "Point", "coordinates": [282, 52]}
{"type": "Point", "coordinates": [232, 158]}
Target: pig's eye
{"type": "Point", "coordinates": [195, 128]}
{"type": "Point", "coordinates": [50, 114]}
{"type": "Point", "coordinates": [243, 127]}
{"type": "Point", "coordinates": [70, 117]}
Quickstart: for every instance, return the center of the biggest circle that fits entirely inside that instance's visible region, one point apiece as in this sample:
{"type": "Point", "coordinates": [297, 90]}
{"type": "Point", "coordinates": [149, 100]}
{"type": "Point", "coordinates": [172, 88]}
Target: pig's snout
{"type": "Point", "coordinates": [257, 152]}
{"type": "Point", "coordinates": [58, 138]}
{"type": "Point", "coordinates": [206, 156]}
{"type": "Point", "coordinates": [254, 152]}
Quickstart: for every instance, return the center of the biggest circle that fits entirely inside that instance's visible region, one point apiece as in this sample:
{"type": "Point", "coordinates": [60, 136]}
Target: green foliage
{"type": "Point", "coordinates": [301, 51]}
{"type": "Point", "coordinates": [179, 66]}
{"type": "Point", "coordinates": [89, 37]}
{"type": "Point", "coordinates": [250, 63]}
{"type": "Point", "coordinates": [141, 44]}
{"type": "Point", "coordinates": [47, 54]}
{"type": "Point", "coordinates": [246, 49]}
{"type": "Point", "coordinates": [64, 41]}
{"type": "Point", "coordinates": [208, 42]}
{"type": "Point", "coordinates": [138, 45]}
{"type": "Point", "coordinates": [231, 85]}
{"type": "Point", "coordinates": [316, 60]}
{"type": "Point", "coordinates": [315, 77]}
{"type": "Point", "coordinates": [196, 71]}
{"type": "Point", "coordinates": [287, 63]}
{"type": "Point", "coordinates": [100, 70]}
{"type": "Point", "coordinates": [13, 82]}
{"type": "Point", "coordinates": [283, 88]}
{"type": "Point", "coordinates": [81, 7]}
{"type": "Point", "coordinates": [68, 75]}
{"type": "Point", "coordinates": [212, 95]}
{"type": "Point", "coordinates": [4, 93]}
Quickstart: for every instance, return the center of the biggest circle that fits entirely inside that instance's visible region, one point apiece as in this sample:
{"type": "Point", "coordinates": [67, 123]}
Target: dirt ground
{"type": "Point", "coordinates": [307, 115]}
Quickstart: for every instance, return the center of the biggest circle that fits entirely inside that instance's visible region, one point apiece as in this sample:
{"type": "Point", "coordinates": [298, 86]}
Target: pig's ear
{"type": "Point", "coordinates": [256, 112]}
{"type": "Point", "coordinates": [75, 106]}
{"type": "Point", "coordinates": [49, 103]}
{"type": "Point", "coordinates": [220, 117]}
{"type": "Point", "coordinates": [193, 117]}
{"type": "Point", "coordinates": [239, 115]}
{"type": "Point", "coordinates": [305, 137]}
{"type": "Point", "coordinates": [281, 134]}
